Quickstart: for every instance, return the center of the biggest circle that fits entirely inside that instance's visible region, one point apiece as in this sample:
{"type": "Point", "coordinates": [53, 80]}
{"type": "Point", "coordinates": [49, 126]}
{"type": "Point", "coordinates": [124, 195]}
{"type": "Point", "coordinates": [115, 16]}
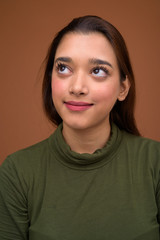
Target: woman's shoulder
{"type": "Point", "coordinates": [141, 147]}
{"type": "Point", "coordinates": [35, 149]}
{"type": "Point", "coordinates": [134, 142]}
{"type": "Point", "coordinates": [29, 157]}
{"type": "Point", "coordinates": [140, 140]}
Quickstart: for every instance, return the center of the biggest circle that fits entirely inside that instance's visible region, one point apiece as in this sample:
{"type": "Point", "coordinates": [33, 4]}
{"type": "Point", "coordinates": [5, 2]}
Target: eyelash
{"type": "Point", "coordinates": [101, 68]}
{"type": "Point", "coordinates": [61, 65]}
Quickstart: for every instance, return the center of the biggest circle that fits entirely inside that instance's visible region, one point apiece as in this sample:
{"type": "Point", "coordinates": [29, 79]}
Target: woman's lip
{"type": "Point", "coordinates": [77, 106]}
{"type": "Point", "coordinates": [74, 103]}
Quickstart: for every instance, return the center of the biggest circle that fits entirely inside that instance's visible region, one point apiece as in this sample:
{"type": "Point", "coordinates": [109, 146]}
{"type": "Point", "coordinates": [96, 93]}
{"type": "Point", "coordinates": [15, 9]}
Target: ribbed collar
{"type": "Point", "coordinates": [85, 161]}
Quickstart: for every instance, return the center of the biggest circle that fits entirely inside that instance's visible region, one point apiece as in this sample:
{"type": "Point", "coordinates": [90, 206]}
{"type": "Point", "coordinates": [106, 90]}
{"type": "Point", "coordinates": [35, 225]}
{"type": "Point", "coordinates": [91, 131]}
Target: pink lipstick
{"type": "Point", "coordinates": [77, 106]}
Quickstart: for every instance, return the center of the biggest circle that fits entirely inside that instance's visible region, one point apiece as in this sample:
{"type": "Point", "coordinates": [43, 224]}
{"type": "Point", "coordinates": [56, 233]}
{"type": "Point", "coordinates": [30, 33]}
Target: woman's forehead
{"type": "Point", "coordinates": [91, 45]}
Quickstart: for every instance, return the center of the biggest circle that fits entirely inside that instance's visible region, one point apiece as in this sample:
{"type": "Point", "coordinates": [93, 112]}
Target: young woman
{"type": "Point", "coordinates": [94, 177]}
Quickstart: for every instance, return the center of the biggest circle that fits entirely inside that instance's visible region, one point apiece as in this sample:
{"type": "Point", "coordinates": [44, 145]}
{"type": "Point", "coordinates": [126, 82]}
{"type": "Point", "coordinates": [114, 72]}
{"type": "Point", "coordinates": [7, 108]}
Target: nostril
{"type": "Point", "coordinates": [78, 91]}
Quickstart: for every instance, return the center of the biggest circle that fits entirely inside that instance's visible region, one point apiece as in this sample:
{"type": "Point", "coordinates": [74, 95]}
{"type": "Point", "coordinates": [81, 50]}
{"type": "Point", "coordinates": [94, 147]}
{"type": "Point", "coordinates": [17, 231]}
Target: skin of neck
{"type": "Point", "coordinates": [86, 140]}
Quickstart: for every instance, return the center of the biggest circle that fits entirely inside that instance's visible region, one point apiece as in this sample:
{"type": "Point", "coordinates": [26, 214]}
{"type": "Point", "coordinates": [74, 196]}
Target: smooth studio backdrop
{"type": "Point", "coordinates": [28, 27]}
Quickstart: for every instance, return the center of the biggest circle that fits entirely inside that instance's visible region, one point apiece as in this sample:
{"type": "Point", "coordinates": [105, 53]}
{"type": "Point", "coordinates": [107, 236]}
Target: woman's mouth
{"type": "Point", "coordinates": [78, 106]}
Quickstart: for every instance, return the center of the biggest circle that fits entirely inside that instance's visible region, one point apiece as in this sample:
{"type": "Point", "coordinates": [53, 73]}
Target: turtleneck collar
{"type": "Point", "coordinates": [84, 161]}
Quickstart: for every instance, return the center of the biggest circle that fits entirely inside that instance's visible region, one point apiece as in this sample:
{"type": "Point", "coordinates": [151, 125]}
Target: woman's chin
{"type": "Point", "coordinates": [76, 125]}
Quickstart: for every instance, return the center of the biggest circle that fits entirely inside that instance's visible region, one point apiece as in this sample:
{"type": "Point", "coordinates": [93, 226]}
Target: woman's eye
{"type": "Point", "coordinates": [62, 69]}
{"type": "Point", "coordinates": [100, 72]}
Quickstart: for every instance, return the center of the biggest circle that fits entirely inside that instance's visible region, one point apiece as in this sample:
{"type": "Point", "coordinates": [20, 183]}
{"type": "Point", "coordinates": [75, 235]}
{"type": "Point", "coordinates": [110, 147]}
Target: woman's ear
{"type": "Point", "coordinates": [124, 89]}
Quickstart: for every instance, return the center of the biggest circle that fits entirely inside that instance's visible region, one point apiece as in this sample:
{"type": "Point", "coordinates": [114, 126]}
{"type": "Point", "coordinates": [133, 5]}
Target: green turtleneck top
{"type": "Point", "coordinates": [48, 192]}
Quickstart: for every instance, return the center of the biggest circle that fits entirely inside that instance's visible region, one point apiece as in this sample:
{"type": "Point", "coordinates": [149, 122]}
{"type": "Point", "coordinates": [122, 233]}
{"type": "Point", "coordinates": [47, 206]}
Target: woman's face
{"type": "Point", "coordinates": [86, 81]}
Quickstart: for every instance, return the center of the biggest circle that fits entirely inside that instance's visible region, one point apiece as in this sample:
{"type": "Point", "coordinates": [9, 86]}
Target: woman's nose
{"type": "Point", "coordinates": [78, 85]}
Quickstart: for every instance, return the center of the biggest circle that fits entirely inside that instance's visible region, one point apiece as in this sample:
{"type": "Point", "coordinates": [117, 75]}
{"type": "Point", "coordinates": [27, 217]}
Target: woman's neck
{"type": "Point", "coordinates": [86, 140]}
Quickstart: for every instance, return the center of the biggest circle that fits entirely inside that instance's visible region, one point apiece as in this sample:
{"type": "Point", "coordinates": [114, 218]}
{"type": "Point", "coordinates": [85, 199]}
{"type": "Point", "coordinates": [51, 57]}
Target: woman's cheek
{"type": "Point", "coordinates": [106, 94]}
{"type": "Point", "coordinates": [58, 87]}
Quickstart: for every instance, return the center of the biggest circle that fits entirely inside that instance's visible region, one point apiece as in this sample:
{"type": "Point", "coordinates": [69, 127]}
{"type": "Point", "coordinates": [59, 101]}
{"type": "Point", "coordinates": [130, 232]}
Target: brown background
{"type": "Point", "coordinates": [27, 28]}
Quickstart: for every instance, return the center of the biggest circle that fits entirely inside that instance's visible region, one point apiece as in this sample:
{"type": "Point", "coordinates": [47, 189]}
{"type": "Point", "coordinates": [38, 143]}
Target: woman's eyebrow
{"type": "Point", "coordinates": [100, 61]}
{"type": "Point", "coordinates": [63, 59]}
{"type": "Point", "coordinates": [92, 61]}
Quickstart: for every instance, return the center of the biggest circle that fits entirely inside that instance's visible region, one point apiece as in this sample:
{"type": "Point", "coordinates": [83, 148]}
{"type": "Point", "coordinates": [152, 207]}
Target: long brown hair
{"type": "Point", "coordinates": [122, 113]}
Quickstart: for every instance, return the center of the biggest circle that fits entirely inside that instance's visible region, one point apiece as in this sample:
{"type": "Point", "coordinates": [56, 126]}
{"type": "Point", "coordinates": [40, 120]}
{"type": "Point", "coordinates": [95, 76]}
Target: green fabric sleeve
{"type": "Point", "coordinates": [14, 221]}
{"type": "Point", "coordinates": [158, 201]}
